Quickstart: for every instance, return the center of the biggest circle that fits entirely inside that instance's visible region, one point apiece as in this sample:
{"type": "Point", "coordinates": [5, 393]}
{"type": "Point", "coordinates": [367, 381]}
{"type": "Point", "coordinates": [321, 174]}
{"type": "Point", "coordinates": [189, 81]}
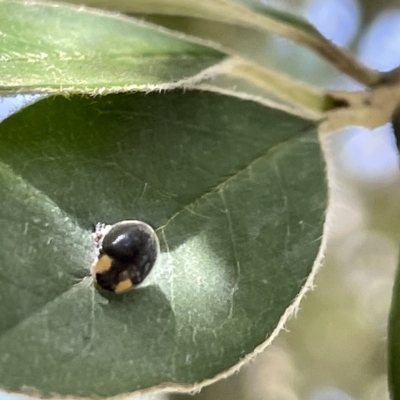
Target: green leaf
{"type": "Point", "coordinates": [218, 10]}
{"type": "Point", "coordinates": [63, 48]}
{"type": "Point", "coordinates": [394, 341]}
{"type": "Point", "coordinates": [251, 44]}
{"type": "Point", "coordinates": [237, 194]}
{"type": "Point", "coordinates": [261, 18]}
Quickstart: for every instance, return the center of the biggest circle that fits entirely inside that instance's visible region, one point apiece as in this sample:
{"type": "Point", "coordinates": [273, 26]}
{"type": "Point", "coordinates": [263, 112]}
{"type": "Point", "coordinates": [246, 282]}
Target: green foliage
{"type": "Point", "coordinates": [237, 194]}
{"type": "Point", "coordinates": [45, 48]}
{"type": "Point", "coordinates": [132, 128]}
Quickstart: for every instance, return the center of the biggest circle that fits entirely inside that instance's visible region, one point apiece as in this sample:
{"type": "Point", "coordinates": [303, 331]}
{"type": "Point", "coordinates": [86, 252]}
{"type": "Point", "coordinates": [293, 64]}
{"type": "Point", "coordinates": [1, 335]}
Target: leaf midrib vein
{"type": "Point", "coordinates": [220, 186]}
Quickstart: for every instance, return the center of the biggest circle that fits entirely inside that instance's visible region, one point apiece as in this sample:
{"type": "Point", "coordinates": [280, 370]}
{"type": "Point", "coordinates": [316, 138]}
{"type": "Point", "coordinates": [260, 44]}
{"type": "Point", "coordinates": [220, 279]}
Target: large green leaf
{"type": "Point", "coordinates": [64, 48]}
{"type": "Point", "coordinates": [236, 192]}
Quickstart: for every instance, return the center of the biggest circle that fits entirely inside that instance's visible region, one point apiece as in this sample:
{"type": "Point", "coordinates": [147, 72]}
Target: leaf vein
{"type": "Point", "coordinates": [220, 186]}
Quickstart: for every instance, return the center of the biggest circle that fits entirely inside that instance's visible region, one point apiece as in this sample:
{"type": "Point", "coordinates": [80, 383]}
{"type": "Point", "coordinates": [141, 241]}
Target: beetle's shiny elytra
{"type": "Point", "coordinates": [128, 251]}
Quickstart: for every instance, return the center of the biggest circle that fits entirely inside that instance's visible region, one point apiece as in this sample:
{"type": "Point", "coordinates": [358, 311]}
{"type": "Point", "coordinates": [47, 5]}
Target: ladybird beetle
{"type": "Point", "coordinates": [127, 252]}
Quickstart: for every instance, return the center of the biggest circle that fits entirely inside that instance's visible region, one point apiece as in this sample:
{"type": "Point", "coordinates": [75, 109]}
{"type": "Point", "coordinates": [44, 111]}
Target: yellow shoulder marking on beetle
{"type": "Point", "coordinates": [123, 286]}
{"type": "Point", "coordinates": [102, 264]}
